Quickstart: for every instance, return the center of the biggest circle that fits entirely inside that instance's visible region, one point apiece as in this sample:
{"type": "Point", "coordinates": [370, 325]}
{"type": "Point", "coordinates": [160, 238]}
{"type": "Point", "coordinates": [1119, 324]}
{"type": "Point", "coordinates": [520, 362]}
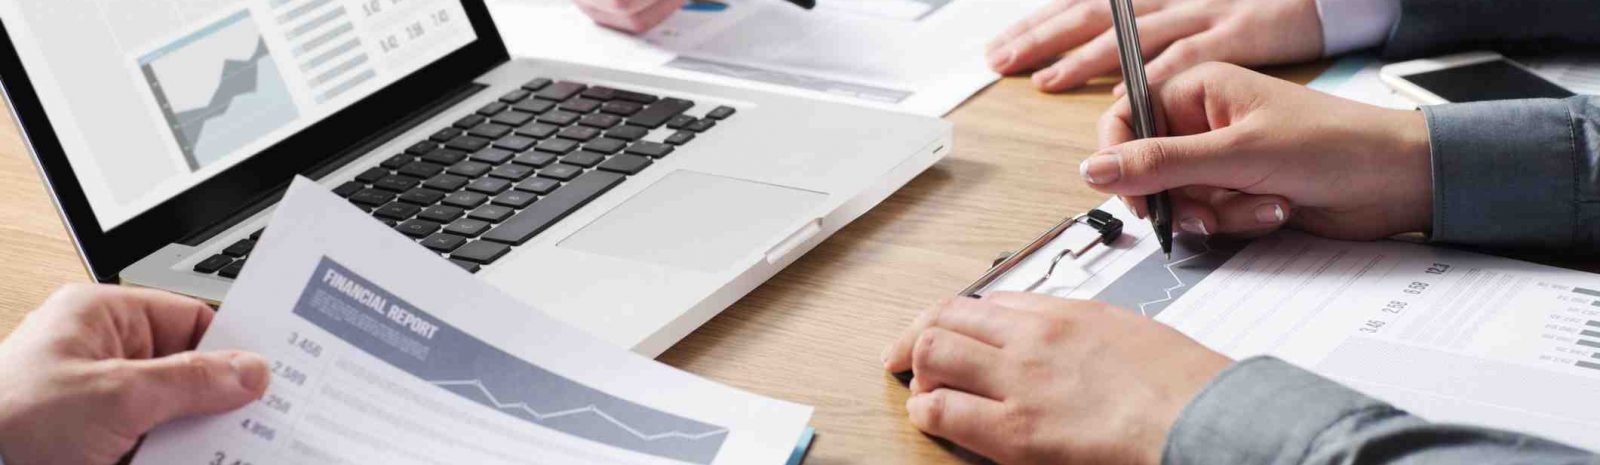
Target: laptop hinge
{"type": "Point", "coordinates": [366, 145]}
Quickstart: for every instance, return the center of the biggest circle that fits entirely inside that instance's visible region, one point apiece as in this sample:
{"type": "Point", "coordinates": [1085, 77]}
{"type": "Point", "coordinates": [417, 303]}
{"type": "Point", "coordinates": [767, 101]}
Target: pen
{"type": "Point", "coordinates": [1144, 115]}
{"type": "Point", "coordinates": [807, 4]}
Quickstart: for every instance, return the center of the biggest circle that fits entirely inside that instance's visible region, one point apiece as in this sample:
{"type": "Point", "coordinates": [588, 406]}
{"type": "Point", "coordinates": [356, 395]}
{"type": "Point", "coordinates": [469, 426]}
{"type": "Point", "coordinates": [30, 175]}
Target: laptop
{"type": "Point", "coordinates": [635, 207]}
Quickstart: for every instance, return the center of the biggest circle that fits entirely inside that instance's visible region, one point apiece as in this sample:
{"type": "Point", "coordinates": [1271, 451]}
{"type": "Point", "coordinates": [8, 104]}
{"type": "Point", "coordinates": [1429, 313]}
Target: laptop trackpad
{"type": "Point", "coordinates": [698, 221]}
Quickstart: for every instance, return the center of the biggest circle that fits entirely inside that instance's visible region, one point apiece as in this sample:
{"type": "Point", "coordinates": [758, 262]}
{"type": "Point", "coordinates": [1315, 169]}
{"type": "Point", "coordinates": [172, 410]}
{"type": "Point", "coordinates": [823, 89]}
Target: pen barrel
{"type": "Point", "coordinates": [1126, 27]}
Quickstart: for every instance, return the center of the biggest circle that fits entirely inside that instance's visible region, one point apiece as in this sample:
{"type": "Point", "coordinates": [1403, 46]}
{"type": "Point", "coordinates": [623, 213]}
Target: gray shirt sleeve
{"type": "Point", "coordinates": [1265, 411]}
{"type": "Point", "coordinates": [1432, 27]}
{"type": "Point", "coordinates": [1517, 174]}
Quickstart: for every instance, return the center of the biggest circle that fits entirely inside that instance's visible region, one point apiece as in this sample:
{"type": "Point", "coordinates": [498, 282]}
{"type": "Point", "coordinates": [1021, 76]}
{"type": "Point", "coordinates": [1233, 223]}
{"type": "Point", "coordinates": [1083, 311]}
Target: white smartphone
{"type": "Point", "coordinates": [1467, 77]}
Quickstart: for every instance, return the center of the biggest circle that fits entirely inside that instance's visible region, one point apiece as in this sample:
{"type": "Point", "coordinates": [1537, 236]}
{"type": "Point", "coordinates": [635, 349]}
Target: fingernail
{"type": "Point", "coordinates": [1270, 214]}
{"type": "Point", "coordinates": [1194, 226]}
{"type": "Point", "coordinates": [251, 370]}
{"type": "Point", "coordinates": [1101, 169]}
{"type": "Point", "coordinates": [1001, 59]}
{"type": "Point", "coordinates": [1045, 77]}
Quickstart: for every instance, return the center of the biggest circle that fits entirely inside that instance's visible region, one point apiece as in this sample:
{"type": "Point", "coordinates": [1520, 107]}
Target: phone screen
{"type": "Point", "coordinates": [1490, 80]}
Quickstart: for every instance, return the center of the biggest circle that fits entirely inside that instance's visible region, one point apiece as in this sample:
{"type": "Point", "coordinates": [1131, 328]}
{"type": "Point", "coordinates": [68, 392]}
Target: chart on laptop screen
{"type": "Point", "coordinates": [151, 97]}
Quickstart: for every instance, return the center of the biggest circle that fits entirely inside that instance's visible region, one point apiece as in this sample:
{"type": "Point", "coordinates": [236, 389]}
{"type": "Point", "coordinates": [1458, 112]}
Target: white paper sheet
{"type": "Point", "coordinates": [384, 353]}
{"type": "Point", "coordinates": [1449, 335]}
{"type": "Point", "coordinates": [917, 56]}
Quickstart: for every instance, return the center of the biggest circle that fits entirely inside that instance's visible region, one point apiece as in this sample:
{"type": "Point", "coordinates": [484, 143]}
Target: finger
{"type": "Point", "coordinates": [1100, 56]}
{"type": "Point", "coordinates": [191, 383]}
{"type": "Point", "coordinates": [1148, 166]}
{"type": "Point", "coordinates": [1193, 211]}
{"type": "Point", "coordinates": [943, 358]}
{"type": "Point", "coordinates": [634, 18]}
{"type": "Point", "coordinates": [143, 323]}
{"type": "Point", "coordinates": [1185, 54]}
{"type": "Point", "coordinates": [972, 422]}
{"type": "Point", "coordinates": [985, 322]}
{"type": "Point", "coordinates": [1052, 36]}
{"type": "Point", "coordinates": [1002, 53]}
{"type": "Point", "coordinates": [1251, 215]}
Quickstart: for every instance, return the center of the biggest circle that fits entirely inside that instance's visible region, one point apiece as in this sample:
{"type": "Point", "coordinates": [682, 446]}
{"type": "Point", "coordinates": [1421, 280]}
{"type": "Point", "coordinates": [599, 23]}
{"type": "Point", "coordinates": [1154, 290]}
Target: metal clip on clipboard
{"type": "Point", "coordinates": [1109, 227]}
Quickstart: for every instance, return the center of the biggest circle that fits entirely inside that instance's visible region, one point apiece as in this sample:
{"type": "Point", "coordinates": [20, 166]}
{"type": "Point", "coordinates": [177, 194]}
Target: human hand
{"type": "Point", "coordinates": [95, 367]}
{"type": "Point", "coordinates": [1024, 378]}
{"type": "Point", "coordinates": [634, 16]}
{"type": "Point", "coordinates": [1251, 153]}
{"type": "Point", "coordinates": [1071, 41]}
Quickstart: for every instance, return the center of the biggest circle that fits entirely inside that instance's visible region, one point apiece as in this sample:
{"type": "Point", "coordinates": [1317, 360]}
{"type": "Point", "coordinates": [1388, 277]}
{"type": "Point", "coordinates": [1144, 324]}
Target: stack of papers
{"type": "Point", "coordinates": [384, 353]}
{"type": "Point", "coordinates": [917, 56]}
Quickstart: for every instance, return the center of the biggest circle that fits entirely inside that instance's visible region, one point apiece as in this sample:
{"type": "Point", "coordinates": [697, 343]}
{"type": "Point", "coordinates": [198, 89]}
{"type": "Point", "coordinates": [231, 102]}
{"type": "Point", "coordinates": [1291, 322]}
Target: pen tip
{"type": "Point", "coordinates": [1169, 256]}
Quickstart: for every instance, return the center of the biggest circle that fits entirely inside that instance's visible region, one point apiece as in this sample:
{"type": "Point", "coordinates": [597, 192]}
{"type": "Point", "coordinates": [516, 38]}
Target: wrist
{"type": "Point", "coordinates": [1412, 158]}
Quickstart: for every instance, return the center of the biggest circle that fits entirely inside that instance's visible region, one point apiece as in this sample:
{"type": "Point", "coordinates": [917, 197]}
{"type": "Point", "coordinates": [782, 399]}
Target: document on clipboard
{"type": "Point", "coordinates": [384, 353]}
{"type": "Point", "coordinates": [1449, 335]}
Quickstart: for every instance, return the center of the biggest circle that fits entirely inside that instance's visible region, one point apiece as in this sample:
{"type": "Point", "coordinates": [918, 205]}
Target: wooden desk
{"type": "Point", "coordinates": [814, 333]}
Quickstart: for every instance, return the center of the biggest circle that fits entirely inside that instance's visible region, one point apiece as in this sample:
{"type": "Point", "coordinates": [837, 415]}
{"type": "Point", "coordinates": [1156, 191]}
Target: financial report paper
{"type": "Point", "coordinates": [917, 56]}
{"type": "Point", "coordinates": [1448, 335]}
{"type": "Point", "coordinates": [383, 353]}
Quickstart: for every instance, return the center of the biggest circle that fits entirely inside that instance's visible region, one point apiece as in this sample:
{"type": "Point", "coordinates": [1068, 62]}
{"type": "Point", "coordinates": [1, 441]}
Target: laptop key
{"type": "Point", "coordinates": [599, 93]}
{"type": "Point", "coordinates": [445, 156]}
{"type": "Point", "coordinates": [680, 138]}
{"type": "Point", "coordinates": [256, 236]}
{"type": "Point", "coordinates": [397, 183]}
{"type": "Point", "coordinates": [620, 108]}
{"type": "Point", "coordinates": [628, 133]}
{"type": "Point", "coordinates": [387, 222]}
{"type": "Point", "coordinates": [443, 242]}
{"type": "Point", "coordinates": [468, 144]}
{"type": "Point", "coordinates": [371, 174]}
{"type": "Point", "coordinates": [418, 228]}
{"type": "Point", "coordinates": [445, 183]}
{"type": "Point", "coordinates": [489, 186]}
{"type": "Point", "coordinates": [493, 108]}
{"type": "Point", "coordinates": [465, 199]}
{"type": "Point", "coordinates": [702, 125]}
{"type": "Point", "coordinates": [232, 270]}
{"type": "Point", "coordinates": [580, 105]}
{"type": "Point", "coordinates": [516, 143]}
{"type": "Point", "coordinates": [422, 147]}
{"type": "Point", "coordinates": [397, 161]}
{"type": "Point", "coordinates": [397, 211]}
{"type": "Point", "coordinates": [601, 121]}
{"type": "Point", "coordinates": [467, 122]}
{"type": "Point", "coordinates": [561, 171]}
{"type": "Point", "coordinates": [422, 196]}
{"type": "Point", "coordinates": [491, 213]}
{"type": "Point", "coordinates": [441, 213]}
{"type": "Point", "coordinates": [579, 133]}
{"type": "Point", "coordinates": [481, 252]}
{"type": "Point", "coordinates": [467, 227]}
{"type": "Point", "coordinates": [635, 97]}
{"type": "Point", "coordinates": [539, 186]}
{"type": "Point", "coordinates": [372, 197]}
{"type": "Point", "coordinates": [721, 113]}
{"type": "Point", "coordinates": [516, 96]}
{"type": "Point", "coordinates": [554, 207]}
{"type": "Point", "coordinates": [513, 118]}
{"type": "Point", "coordinates": [444, 135]}
{"type": "Point", "coordinates": [465, 265]}
{"type": "Point", "coordinates": [538, 130]}
{"type": "Point", "coordinates": [536, 84]}
{"type": "Point", "coordinates": [421, 169]}
{"type": "Point", "coordinates": [535, 107]}
{"type": "Point", "coordinates": [626, 164]}
{"type": "Point", "coordinates": [212, 264]}
{"type": "Point", "coordinates": [240, 249]}
{"type": "Point", "coordinates": [650, 149]}
{"type": "Point", "coordinates": [535, 159]}
{"type": "Point", "coordinates": [493, 156]}
{"type": "Point", "coordinates": [561, 91]}
{"type": "Point", "coordinates": [680, 121]}
{"type": "Point", "coordinates": [658, 113]}
{"type": "Point", "coordinates": [557, 146]}
{"type": "Point", "coordinates": [559, 117]}
{"type": "Point", "coordinates": [346, 189]}
{"type": "Point", "coordinates": [512, 172]}
{"type": "Point", "coordinates": [470, 169]}
{"type": "Point", "coordinates": [515, 199]}
{"type": "Point", "coordinates": [490, 131]}
{"type": "Point", "coordinates": [606, 145]}
{"type": "Point", "coordinates": [584, 158]}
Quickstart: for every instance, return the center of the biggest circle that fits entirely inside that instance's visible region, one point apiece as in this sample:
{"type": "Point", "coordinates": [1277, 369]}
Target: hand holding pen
{"type": "Point", "coordinates": [1144, 116]}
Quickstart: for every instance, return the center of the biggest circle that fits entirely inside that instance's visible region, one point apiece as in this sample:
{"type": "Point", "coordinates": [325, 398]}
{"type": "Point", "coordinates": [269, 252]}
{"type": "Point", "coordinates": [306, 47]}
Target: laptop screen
{"type": "Point", "coordinates": [151, 97]}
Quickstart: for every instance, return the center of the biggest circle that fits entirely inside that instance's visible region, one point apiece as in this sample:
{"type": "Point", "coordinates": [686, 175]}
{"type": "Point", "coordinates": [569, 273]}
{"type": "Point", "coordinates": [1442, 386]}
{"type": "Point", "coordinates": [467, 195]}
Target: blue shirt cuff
{"type": "Point", "coordinates": [1504, 173]}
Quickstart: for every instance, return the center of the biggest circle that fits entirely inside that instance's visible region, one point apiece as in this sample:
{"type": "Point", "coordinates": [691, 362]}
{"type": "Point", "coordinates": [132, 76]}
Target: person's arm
{"type": "Point", "coordinates": [1266, 411]}
{"type": "Point", "coordinates": [1432, 27]}
{"type": "Point", "coordinates": [1531, 182]}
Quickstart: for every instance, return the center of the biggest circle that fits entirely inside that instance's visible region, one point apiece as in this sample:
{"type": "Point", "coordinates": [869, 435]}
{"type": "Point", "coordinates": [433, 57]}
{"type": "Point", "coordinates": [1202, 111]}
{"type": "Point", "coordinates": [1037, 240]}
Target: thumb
{"type": "Point", "coordinates": [1148, 166]}
{"type": "Point", "coordinates": [195, 383]}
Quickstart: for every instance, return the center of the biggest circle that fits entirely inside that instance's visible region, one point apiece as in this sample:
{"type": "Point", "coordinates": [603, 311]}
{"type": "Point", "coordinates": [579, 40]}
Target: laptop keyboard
{"type": "Point", "coordinates": [497, 178]}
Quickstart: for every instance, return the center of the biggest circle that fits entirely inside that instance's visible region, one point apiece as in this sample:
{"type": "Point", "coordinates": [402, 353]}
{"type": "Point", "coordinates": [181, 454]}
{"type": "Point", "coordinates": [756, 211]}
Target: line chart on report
{"type": "Point", "coordinates": [1154, 283]}
{"type": "Point", "coordinates": [353, 309]}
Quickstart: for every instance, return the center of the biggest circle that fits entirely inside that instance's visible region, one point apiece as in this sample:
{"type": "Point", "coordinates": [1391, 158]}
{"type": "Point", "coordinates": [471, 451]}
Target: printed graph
{"type": "Point", "coordinates": [1154, 282]}
{"type": "Point", "coordinates": [219, 89]}
{"type": "Point", "coordinates": [468, 367]}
